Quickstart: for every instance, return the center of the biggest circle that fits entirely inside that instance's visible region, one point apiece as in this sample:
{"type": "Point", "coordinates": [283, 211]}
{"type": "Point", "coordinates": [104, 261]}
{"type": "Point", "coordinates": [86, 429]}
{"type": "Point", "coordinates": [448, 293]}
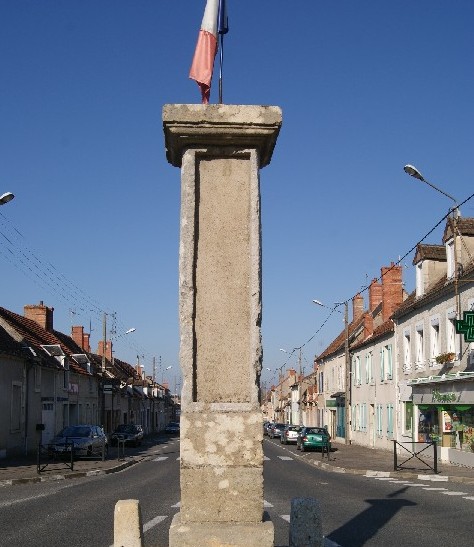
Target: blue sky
{"type": "Point", "coordinates": [365, 87]}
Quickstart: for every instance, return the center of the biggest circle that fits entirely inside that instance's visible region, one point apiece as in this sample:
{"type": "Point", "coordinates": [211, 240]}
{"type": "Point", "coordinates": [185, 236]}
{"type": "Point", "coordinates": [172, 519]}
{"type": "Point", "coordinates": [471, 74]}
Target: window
{"type": "Point", "coordinates": [408, 413]}
{"type": "Point", "coordinates": [15, 407]}
{"type": "Point", "coordinates": [419, 279]}
{"type": "Point", "coordinates": [451, 338]}
{"type": "Point", "coordinates": [419, 347]}
{"type": "Point", "coordinates": [389, 362]}
{"type": "Point", "coordinates": [450, 258]}
{"type": "Point", "coordinates": [390, 421]}
{"type": "Point", "coordinates": [378, 419]}
{"type": "Point", "coordinates": [363, 417]}
{"type": "Point", "coordinates": [406, 351]}
{"type": "Point", "coordinates": [470, 355]}
{"type": "Point", "coordinates": [354, 418]}
{"type": "Point", "coordinates": [37, 378]}
{"type": "Point", "coordinates": [434, 340]}
{"type": "Point", "coordinates": [382, 364]}
{"type": "Point", "coordinates": [367, 368]}
{"type": "Point", "coordinates": [357, 370]}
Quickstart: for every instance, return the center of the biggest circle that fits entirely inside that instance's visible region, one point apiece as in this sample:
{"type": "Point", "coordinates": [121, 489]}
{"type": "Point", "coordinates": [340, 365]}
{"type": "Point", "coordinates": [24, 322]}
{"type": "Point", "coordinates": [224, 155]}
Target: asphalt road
{"type": "Point", "coordinates": [357, 510]}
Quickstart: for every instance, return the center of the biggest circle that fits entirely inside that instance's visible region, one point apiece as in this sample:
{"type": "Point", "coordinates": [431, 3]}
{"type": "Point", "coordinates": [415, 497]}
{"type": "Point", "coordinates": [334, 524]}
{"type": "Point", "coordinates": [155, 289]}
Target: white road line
{"type": "Point", "coordinates": [381, 478]}
{"type": "Point", "coordinates": [160, 459]}
{"type": "Point", "coordinates": [177, 504]}
{"type": "Point", "coordinates": [454, 493]}
{"type": "Point", "coordinates": [377, 474]}
{"type": "Point", "coordinates": [266, 459]}
{"type": "Point", "coordinates": [433, 478]}
{"type": "Point", "coordinates": [285, 517]}
{"type": "Point", "coordinates": [153, 522]}
{"type": "Point", "coordinates": [285, 458]}
{"type": "Point", "coordinates": [468, 498]}
{"type": "Point", "coordinates": [267, 503]}
{"type": "Point", "coordinates": [439, 489]}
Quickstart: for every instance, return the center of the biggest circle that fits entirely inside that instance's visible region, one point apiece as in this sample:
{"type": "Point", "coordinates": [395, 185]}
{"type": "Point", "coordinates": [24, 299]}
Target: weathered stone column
{"type": "Point", "coordinates": [220, 149]}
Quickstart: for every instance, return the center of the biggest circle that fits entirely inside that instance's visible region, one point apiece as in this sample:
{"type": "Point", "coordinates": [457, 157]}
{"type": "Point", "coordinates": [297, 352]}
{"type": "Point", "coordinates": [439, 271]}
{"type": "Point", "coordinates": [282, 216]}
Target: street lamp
{"type": "Point", "coordinates": [347, 368]}
{"type": "Point", "coordinates": [415, 173]}
{"type": "Point", "coordinates": [6, 197]}
{"type": "Point", "coordinates": [163, 375]}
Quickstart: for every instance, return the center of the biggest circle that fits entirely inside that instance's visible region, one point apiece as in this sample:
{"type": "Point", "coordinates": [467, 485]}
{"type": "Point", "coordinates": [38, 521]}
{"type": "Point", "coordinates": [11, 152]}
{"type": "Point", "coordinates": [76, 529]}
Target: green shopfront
{"type": "Point", "coordinates": [444, 412]}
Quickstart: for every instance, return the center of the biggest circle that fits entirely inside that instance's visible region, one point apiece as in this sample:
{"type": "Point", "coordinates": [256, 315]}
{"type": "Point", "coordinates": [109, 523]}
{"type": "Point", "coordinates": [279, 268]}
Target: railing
{"type": "Point", "coordinates": [415, 455]}
{"type": "Point", "coordinates": [46, 455]}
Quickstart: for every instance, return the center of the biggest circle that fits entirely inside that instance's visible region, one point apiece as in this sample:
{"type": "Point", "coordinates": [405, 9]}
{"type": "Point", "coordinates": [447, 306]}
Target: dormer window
{"type": "Point", "coordinates": [450, 258]}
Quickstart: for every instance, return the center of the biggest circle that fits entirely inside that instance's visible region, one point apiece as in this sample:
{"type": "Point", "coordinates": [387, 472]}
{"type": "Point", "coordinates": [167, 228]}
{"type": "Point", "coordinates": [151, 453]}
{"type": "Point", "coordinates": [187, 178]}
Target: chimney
{"type": "Point", "coordinates": [392, 290]}
{"type": "Point", "coordinates": [41, 314]}
{"type": "Point", "coordinates": [375, 295]}
{"type": "Point", "coordinates": [87, 342]}
{"type": "Point", "coordinates": [108, 349]}
{"type": "Point", "coordinates": [357, 306]}
{"type": "Point", "coordinates": [77, 334]}
{"type": "Point", "coordinates": [368, 325]}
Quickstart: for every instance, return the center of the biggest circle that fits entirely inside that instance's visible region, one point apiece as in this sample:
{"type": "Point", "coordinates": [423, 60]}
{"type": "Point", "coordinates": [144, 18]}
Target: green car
{"type": "Point", "coordinates": [313, 437]}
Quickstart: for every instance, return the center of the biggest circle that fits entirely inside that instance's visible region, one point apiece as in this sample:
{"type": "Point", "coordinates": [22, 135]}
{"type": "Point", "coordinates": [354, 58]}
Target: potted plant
{"type": "Point", "coordinates": [445, 358]}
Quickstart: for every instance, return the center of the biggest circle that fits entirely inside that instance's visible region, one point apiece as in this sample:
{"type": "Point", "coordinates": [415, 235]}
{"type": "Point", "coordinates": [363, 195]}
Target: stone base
{"type": "Point", "coordinates": [220, 534]}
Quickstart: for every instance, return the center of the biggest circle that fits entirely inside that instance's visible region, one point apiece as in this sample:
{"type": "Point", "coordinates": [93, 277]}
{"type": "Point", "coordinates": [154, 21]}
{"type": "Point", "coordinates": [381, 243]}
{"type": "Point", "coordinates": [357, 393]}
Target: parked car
{"type": "Point", "coordinates": [289, 434]}
{"type": "Point", "coordinates": [313, 437]}
{"type": "Point", "coordinates": [266, 428]}
{"type": "Point", "coordinates": [87, 440]}
{"type": "Point", "coordinates": [172, 427]}
{"type": "Point", "coordinates": [276, 430]}
{"type": "Point", "coordinates": [130, 433]}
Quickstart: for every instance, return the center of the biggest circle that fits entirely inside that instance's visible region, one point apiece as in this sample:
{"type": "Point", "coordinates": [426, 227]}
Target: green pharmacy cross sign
{"type": "Point", "coordinates": [466, 326]}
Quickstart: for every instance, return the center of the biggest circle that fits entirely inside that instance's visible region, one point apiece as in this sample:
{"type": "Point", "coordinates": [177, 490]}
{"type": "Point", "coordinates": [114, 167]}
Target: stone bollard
{"type": "Point", "coordinates": [306, 528]}
{"type": "Point", "coordinates": [128, 524]}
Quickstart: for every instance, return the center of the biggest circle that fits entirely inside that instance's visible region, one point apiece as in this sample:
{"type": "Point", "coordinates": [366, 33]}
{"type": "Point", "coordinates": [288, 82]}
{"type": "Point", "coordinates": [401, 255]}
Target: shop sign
{"type": "Point", "coordinates": [330, 403]}
{"type": "Point", "coordinates": [466, 326]}
{"type": "Point", "coordinates": [438, 397]}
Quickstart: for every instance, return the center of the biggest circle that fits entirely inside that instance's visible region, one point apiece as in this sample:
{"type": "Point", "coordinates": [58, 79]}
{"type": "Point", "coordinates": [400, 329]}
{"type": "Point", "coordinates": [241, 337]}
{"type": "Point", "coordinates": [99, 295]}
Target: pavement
{"type": "Point", "coordinates": [342, 459]}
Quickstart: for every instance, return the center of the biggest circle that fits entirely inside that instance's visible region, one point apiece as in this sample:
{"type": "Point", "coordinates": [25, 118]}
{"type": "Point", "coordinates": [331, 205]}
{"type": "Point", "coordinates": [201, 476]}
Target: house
{"type": "Point", "coordinates": [435, 364]}
{"type": "Point", "coordinates": [369, 343]}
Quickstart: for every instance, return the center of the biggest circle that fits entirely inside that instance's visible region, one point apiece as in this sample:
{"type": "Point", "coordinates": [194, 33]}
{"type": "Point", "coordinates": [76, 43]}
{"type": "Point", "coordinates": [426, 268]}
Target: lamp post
{"type": "Point", "coordinates": [6, 197]}
{"type": "Point", "coordinates": [415, 173]}
{"type": "Point", "coordinates": [347, 368]}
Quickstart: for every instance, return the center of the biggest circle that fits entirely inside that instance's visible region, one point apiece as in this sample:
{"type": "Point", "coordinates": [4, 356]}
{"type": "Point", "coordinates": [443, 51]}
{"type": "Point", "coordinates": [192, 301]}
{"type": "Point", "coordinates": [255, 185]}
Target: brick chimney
{"type": "Point", "coordinates": [357, 306]}
{"type": "Point", "coordinates": [375, 294]}
{"type": "Point", "coordinates": [108, 349]}
{"type": "Point", "coordinates": [392, 290]}
{"type": "Point", "coordinates": [81, 338]}
{"type": "Point", "coordinates": [41, 314]}
{"type": "Point", "coordinates": [368, 325]}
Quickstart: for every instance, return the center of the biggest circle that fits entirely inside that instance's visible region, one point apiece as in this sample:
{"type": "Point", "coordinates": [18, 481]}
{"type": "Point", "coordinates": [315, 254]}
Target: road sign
{"type": "Point", "coordinates": [466, 326]}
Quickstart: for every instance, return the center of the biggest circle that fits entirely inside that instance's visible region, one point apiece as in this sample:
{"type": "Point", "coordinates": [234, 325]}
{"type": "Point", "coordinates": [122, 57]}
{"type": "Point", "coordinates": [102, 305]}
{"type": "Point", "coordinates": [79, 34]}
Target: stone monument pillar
{"type": "Point", "coordinates": [220, 149]}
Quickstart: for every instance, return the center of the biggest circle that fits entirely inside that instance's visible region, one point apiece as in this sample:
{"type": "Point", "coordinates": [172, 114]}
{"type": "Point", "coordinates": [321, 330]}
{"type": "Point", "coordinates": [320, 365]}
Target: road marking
{"type": "Point", "coordinates": [267, 503]}
{"type": "Point", "coordinates": [177, 504]}
{"type": "Point", "coordinates": [380, 478]}
{"type": "Point", "coordinates": [439, 489]}
{"type": "Point", "coordinates": [153, 522]}
{"type": "Point", "coordinates": [454, 493]}
{"type": "Point", "coordinates": [160, 459]}
{"type": "Point", "coordinates": [469, 498]}
{"type": "Point", "coordinates": [285, 517]}
{"type": "Point", "coordinates": [285, 458]}
{"type": "Point", "coordinates": [266, 459]}
{"type": "Point", "coordinates": [436, 478]}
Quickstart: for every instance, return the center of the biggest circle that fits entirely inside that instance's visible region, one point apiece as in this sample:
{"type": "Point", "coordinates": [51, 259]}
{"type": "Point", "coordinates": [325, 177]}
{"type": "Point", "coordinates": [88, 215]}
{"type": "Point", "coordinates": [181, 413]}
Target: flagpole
{"type": "Point", "coordinates": [221, 62]}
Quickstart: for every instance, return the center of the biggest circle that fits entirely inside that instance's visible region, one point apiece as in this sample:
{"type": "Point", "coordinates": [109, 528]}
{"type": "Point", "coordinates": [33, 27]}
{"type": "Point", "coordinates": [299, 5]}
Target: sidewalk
{"type": "Point", "coordinates": [343, 459]}
{"type": "Point", "coordinates": [367, 461]}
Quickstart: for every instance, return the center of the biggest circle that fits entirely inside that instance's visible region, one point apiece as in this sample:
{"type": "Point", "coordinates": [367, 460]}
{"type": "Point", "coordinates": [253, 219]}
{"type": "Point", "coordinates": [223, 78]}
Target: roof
{"type": "Point", "coordinates": [381, 331]}
{"type": "Point", "coordinates": [429, 252]}
{"type": "Point", "coordinates": [464, 226]}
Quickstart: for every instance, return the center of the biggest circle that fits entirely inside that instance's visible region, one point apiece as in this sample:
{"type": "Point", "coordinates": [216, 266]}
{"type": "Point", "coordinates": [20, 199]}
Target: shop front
{"type": "Point", "coordinates": [444, 412]}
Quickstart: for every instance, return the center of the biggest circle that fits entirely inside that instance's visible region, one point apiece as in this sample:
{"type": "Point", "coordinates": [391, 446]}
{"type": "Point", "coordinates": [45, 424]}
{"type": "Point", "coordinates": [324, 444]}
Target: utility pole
{"type": "Point", "coordinates": [300, 403]}
{"type": "Point", "coordinates": [104, 345]}
{"type": "Point", "coordinates": [347, 403]}
{"type": "Point", "coordinates": [154, 369]}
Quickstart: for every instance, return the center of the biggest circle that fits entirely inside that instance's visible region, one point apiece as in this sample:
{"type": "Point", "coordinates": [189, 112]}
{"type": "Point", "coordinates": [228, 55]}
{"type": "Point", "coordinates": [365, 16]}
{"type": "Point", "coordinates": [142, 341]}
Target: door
{"type": "Point", "coordinates": [47, 418]}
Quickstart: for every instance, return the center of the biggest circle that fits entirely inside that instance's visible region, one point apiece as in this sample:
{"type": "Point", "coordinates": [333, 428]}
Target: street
{"type": "Point", "coordinates": [357, 510]}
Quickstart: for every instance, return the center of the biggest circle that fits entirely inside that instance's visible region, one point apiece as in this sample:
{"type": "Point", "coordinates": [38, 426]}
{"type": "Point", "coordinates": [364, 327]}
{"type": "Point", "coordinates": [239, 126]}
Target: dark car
{"type": "Point", "coordinates": [313, 437]}
{"type": "Point", "coordinates": [85, 440]}
{"type": "Point", "coordinates": [172, 427]}
{"type": "Point", "coordinates": [276, 430]}
{"type": "Point", "coordinates": [129, 433]}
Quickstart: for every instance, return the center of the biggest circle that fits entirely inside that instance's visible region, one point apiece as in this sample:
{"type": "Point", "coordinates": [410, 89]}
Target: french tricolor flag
{"type": "Point", "coordinates": [213, 23]}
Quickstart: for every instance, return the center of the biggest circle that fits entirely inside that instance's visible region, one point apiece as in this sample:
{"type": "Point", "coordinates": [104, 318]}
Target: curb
{"type": "Point", "coordinates": [69, 476]}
